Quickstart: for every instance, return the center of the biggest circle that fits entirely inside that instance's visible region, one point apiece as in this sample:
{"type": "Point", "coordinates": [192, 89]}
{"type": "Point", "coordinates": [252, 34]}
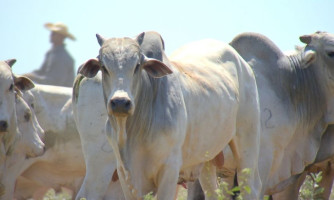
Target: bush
{"type": "Point", "coordinates": [310, 189]}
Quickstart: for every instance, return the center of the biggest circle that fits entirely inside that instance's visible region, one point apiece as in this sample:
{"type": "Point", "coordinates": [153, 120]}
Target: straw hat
{"type": "Point", "coordinates": [59, 28]}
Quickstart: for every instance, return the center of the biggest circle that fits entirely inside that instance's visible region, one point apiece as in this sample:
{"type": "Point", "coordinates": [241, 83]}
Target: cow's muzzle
{"type": "Point", "coordinates": [121, 106]}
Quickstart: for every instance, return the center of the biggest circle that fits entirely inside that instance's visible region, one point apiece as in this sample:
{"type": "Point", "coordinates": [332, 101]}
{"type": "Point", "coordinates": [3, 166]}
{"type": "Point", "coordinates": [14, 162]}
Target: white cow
{"type": "Point", "coordinates": [28, 144]}
{"type": "Point", "coordinates": [8, 119]}
{"type": "Point", "coordinates": [90, 121]}
{"type": "Point", "coordinates": [8, 127]}
{"type": "Point", "coordinates": [62, 165]}
{"type": "Point", "coordinates": [167, 120]}
{"type": "Point", "coordinates": [17, 143]}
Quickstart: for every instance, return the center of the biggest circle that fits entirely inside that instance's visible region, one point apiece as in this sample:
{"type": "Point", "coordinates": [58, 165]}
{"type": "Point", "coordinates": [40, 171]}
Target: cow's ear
{"type": "Point", "coordinates": [10, 62]}
{"type": "Point", "coordinates": [23, 83]}
{"type": "Point", "coordinates": [155, 68]}
{"type": "Point", "coordinates": [90, 68]}
{"type": "Point", "coordinates": [308, 58]}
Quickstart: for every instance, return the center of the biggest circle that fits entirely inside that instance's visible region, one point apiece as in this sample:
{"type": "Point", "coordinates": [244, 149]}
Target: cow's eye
{"type": "Point", "coordinates": [103, 69]}
{"type": "Point", "coordinates": [11, 87]}
{"type": "Point", "coordinates": [137, 68]}
{"type": "Point", "coordinates": [27, 116]}
{"type": "Point", "coordinates": [32, 106]}
{"type": "Point", "coordinates": [331, 54]}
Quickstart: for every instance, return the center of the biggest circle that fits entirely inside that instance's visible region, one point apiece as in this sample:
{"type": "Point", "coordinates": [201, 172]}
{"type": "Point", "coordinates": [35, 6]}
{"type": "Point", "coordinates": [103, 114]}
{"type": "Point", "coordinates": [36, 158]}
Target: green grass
{"type": "Point", "coordinates": [310, 190]}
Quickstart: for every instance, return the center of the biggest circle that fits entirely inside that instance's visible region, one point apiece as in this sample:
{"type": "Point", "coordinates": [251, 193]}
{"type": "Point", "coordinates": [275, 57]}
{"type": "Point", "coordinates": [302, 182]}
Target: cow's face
{"type": "Point", "coordinates": [7, 98]}
{"type": "Point", "coordinates": [8, 118]}
{"type": "Point", "coordinates": [30, 143]}
{"type": "Point", "coordinates": [122, 63]}
{"type": "Point", "coordinates": [29, 98]}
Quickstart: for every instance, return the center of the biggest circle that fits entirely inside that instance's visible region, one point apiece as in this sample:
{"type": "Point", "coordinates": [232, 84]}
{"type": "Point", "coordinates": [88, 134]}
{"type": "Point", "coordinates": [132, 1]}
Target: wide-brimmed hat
{"type": "Point", "coordinates": [59, 28]}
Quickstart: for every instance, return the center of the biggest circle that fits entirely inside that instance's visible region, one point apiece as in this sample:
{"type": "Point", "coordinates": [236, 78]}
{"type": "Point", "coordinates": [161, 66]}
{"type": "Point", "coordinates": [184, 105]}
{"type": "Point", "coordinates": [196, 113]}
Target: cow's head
{"type": "Point", "coordinates": [7, 96]}
{"type": "Point", "coordinates": [8, 118]}
{"type": "Point", "coordinates": [320, 50]}
{"type": "Point", "coordinates": [30, 143]}
{"type": "Point", "coordinates": [122, 64]}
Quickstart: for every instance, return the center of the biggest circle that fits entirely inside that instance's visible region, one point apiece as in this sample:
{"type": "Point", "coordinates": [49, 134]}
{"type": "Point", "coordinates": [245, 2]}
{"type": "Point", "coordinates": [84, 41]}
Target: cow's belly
{"type": "Point", "coordinates": [210, 129]}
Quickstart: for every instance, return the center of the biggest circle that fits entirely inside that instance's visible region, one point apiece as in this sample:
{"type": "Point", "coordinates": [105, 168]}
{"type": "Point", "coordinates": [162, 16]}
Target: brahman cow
{"type": "Point", "coordinates": [296, 102]}
{"type": "Point", "coordinates": [8, 119]}
{"type": "Point", "coordinates": [19, 130]}
{"type": "Point", "coordinates": [62, 165]}
{"type": "Point", "coordinates": [27, 145]}
{"type": "Point", "coordinates": [90, 121]}
{"type": "Point", "coordinates": [167, 120]}
{"type": "Point", "coordinates": [8, 126]}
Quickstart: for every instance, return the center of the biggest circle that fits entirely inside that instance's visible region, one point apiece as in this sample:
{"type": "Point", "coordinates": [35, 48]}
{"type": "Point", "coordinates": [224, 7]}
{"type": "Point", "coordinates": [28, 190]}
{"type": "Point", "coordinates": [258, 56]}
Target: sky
{"type": "Point", "coordinates": [24, 37]}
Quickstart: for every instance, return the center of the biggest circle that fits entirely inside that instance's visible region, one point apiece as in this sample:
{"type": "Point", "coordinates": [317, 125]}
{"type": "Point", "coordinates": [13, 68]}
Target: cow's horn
{"type": "Point", "coordinates": [100, 39]}
{"type": "Point", "coordinates": [306, 39]}
{"type": "Point", "coordinates": [10, 62]}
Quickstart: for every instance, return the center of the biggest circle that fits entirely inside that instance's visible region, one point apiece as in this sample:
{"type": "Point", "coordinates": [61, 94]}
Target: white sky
{"type": "Point", "coordinates": [23, 36]}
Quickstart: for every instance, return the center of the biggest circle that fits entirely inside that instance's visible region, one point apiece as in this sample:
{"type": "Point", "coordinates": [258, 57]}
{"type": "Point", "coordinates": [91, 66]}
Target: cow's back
{"type": "Point", "coordinates": [212, 72]}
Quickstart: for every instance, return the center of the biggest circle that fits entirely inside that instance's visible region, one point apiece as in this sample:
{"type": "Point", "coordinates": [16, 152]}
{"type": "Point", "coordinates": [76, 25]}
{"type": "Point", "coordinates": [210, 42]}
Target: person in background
{"type": "Point", "coordinates": [58, 66]}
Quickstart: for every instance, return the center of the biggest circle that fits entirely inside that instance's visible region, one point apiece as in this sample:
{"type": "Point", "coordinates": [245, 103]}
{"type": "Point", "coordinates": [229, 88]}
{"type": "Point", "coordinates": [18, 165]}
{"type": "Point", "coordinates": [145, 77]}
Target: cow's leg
{"type": "Point", "coordinates": [248, 132]}
{"type": "Point", "coordinates": [248, 144]}
{"type": "Point", "coordinates": [208, 180]}
{"type": "Point", "coordinates": [292, 191]}
{"type": "Point", "coordinates": [195, 191]}
{"type": "Point", "coordinates": [168, 177]}
{"type": "Point", "coordinates": [249, 152]}
{"type": "Point", "coordinates": [100, 166]}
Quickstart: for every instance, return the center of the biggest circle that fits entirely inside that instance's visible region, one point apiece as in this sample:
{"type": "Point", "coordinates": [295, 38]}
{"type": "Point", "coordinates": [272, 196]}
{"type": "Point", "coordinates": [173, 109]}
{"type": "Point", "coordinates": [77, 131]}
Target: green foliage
{"type": "Point", "coordinates": [223, 191]}
{"type": "Point", "coordinates": [149, 196]}
{"type": "Point", "coordinates": [310, 189]}
{"type": "Point", "coordinates": [52, 195]}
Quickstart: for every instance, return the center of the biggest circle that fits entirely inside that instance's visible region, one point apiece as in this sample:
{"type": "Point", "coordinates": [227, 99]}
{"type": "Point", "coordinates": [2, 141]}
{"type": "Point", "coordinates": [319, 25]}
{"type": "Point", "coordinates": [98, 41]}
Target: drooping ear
{"type": "Point", "coordinates": [11, 62]}
{"type": "Point", "coordinates": [308, 58]}
{"type": "Point", "coordinates": [90, 68]}
{"type": "Point", "coordinates": [140, 38]}
{"type": "Point", "coordinates": [306, 39]}
{"type": "Point", "coordinates": [155, 68]}
{"type": "Point", "coordinates": [23, 83]}
{"type": "Point", "coordinates": [100, 39]}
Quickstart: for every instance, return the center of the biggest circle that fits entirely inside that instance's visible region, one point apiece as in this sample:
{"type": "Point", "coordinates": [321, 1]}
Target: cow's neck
{"type": "Point", "coordinates": [305, 90]}
{"type": "Point", "coordinates": [139, 124]}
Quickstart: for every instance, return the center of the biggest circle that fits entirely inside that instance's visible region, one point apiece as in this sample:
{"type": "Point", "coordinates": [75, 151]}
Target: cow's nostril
{"type": "Point", "coordinates": [113, 104]}
{"type": "Point", "coordinates": [128, 104]}
{"type": "Point", "coordinates": [3, 125]}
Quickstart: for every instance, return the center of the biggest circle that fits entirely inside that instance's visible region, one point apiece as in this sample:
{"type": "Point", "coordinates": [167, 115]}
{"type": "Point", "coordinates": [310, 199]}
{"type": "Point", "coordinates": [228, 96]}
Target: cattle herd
{"type": "Point", "coordinates": [138, 121]}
